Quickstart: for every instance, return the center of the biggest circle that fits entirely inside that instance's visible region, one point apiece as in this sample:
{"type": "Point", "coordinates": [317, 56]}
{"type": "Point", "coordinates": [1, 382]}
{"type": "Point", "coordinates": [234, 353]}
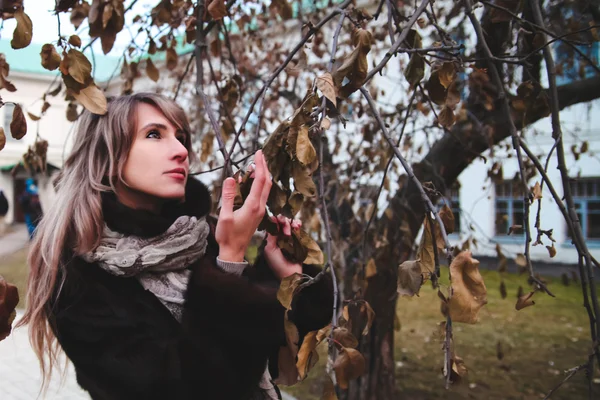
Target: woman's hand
{"type": "Point", "coordinates": [235, 228]}
{"type": "Point", "coordinates": [280, 265]}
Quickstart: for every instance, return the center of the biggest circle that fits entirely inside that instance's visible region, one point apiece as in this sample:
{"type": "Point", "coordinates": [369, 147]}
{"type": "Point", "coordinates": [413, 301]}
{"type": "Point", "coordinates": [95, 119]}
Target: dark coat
{"type": "Point", "coordinates": [125, 344]}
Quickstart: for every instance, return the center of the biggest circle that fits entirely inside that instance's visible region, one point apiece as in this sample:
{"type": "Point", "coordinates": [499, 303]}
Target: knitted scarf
{"type": "Point", "coordinates": [160, 262]}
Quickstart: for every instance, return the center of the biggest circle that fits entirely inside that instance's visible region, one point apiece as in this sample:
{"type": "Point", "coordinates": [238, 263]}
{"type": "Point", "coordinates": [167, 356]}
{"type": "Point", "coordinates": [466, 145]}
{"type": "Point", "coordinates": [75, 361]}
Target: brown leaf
{"type": "Point", "coordinates": [33, 117]}
{"type": "Point", "coordinates": [64, 5]}
{"type": "Point", "coordinates": [295, 67]}
{"type": "Point", "coordinates": [18, 125]}
{"type": "Point", "coordinates": [525, 300]}
{"type": "Point", "coordinates": [287, 288]}
{"type": "Point", "coordinates": [355, 65]}
{"type": "Point", "coordinates": [437, 92]}
{"type": "Point", "coordinates": [151, 70]}
{"type": "Point", "coordinates": [459, 369]}
{"type": "Point", "coordinates": [79, 13]}
{"type": "Point", "coordinates": [2, 138]}
{"type": "Point", "coordinates": [410, 278]}
{"type": "Point", "coordinates": [303, 180]}
{"type": "Point", "coordinates": [326, 86]}
{"type": "Point", "coordinates": [172, 59]}
{"type": "Point", "coordinates": [551, 250]}
{"type": "Point", "coordinates": [75, 40]}
{"type": "Point", "coordinates": [23, 31]}
{"type": "Point", "coordinates": [447, 74]}
{"type": "Point", "coordinates": [9, 298]}
{"type": "Point", "coordinates": [217, 9]}
{"type": "Point", "coordinates": [328, 390]}
{"type": "Point", "coordinates": [446, 118]}
{"type": "Point", "coordinates": [305, 151]}
{"type": "Point", "coordinates": [79, 67]}
{"type": "Point", "coordinates": [314, 254]}
{"type": "Point", "coordinates": [371, 269]}
{"type": "Point", "coordinates": [503, 290]}
{"type": "Point", "coordinates": [469, 293]}
{"type": "Point", "coordinates": [92, 99]}
{"type": "Point", "coordinates": [425, 254]}
{"type": "Point", "coordinates": [72, 113]}
{"type": "Point", "coordinates": [152, 47]}
{"type": "Point", "coordinates": [307, 355]}
{"type": "Point", "coordinates": [108, 40]}
{"type": "Point", "coordinates": [345, 337]}
{"type": "Point", "coordinates": [349, 365]}
{"type": "Point", "coordinates": [366, 308]}
{"type": "Point", "coordinates": [288, 372]}
{"type": "Point", "coordinates": [45, 107]}
{"type": "Point", "coordinates": [50, 58]}
{"type": "Point", "coordinates": [537, 191]}
{"type": "Point", "coordinates": [521, 260]}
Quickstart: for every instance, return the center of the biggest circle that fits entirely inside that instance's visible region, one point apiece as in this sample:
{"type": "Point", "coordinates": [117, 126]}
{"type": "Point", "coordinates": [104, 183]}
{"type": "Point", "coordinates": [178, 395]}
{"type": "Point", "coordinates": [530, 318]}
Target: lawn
{"type": "Point", "coordinates": [538, 342]}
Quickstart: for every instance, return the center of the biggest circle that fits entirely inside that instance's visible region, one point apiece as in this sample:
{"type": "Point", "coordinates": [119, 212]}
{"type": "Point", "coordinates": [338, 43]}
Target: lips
{"type": "Point", "coordinates": [179, 171]}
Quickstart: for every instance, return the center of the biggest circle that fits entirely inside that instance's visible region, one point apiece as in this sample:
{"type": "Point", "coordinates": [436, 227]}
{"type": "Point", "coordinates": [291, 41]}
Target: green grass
{"type": "Point", "coordinates": [539, 343]}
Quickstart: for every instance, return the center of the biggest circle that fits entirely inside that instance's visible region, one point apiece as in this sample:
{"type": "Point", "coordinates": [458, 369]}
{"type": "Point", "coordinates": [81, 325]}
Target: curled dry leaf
{"type": "Point", "coordinates": [521, 260]}
{"type": "Point", "coordinates": [79, 67]}
{"type": "Point", "coordinates": [447, 74]}
{"type": "Point", "coordinates": [216, 9]}
{"type": "Point", "coordinates": [410, 278]}
{"type": "Point", "coordinates": [307, 355]}
{"type": "Point", "coordinates": [4, 70]}
{"type": "Point", "coordinates": [75, 40]}
{"type": "Point", "coordinates": [525, 300]}
{"type": "Point", "coordinates": [371, 269]}
{"type": "Point", "coordinates": [469, 293]}
{"type": "Point", "coordinates": [50, 58]}
{"type": "Point", "coordinates": [349, 365]}
{"type": "Point", "coordinates": [33, 117]}
{"type": "Point", "coordinates": [305, 151]}
{"type": "Point", "coordinates": [314, 255]}
{"type": "Point", "coordinates": [345, 337]}
{"type": "Point", "coordinates": [459, 369]}
{"type": "Point", "coordinates": [551, 250]}
{"type": "Point", "coordinates": [287, 288]}
{"type": "Point", "coordinates": [151, 70]}
{"type": "Point", "coordinates": [172, 59]}
{"type": "Point", "coordinates": [9, 298]}
{"type": "Point", "coordinates": [79, 13]}
{"type": "Point", "coordinates": [355, 66]}
{"type": "Point", "coordinates": [426, 254]}
{"type": "Point", "coordinates": [2, 138]}
{"type": "Point", "coordinates": [366, 308]}
{"type": "Point", "coordinates": [326, 86]}
{"type": "Point", "coordinates": [45, 107]}
{"type": "Point", "coordinates": [93, 99]}
{"type": "Point", "coordinates": [18, 125]}
{"type": "Point", "coordinates": [23, 31]}
{"type": "Point", "coordinates": [537, 191]}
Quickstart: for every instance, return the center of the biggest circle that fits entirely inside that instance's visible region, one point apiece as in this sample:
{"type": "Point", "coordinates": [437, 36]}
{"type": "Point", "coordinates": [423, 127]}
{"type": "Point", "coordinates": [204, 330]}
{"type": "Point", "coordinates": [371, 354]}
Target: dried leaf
{"type": "Point", "coordinates": [410, 278]}
{"type": "Point", "coordinates": [23, 31]}
{"type": "Point", "coordinates": [446, 118]}
{"type": "Point", "coordinates": [303, 180]}
{"type": "Point", "coordinates": [50, 58]}
{"type": "Point", "coordinates": [33, 117]}
{"type": "Point", "coordinates": [305, 151]}
{"type": "Point", "coordinates": [18, 125]}
{"type": "Point", "coordinates": [79, 67]}
{"type": "Point", "coordinates": [151, 70]}
{"type": "Point", "coordinates": [437, 92]}
{"type": "Point", "coordinates": [72, 113]}
{"type": "Point", "coordinates": [93, 99]}
{"type": "Point", "coordinates": [172, 59]}
{"type": "Point", "coordinates": [551, 250]}
{"type": "Point", "coordinates": [326, 86]}
{"type": "Point", "coordinates": [366, 307]}
{"type": "Point", "coordinates": [307, 355]}
{"type": "Point", "coordinates": [75, 40]}
{"type": "Point", "coordinates": [521, 260]}
{"type": "Point", "coordinates": [217, 9]}
{"type": "Point", "coordinates": [425, 254]}
{"type": "Point", "coordinates": [503, 290]}
{"type": "Point", "coordinates": [415, 70]}
{"type": "Point", "coordinates": [537, 191]}
{"type": "Point", "coordinates": [469, 293]}
{"type": "Point", "coordinates": [9, 298]}
{"type": "Point", "coordinates": [447, 217]}
{"type": "Point", "coordinates": [447, 74]}
{"type": "Point", "coordinates": [355, 66]}
{"type": "Point", "coordinates": [349, 365]}
{"type": "Point", "coordinates": [314, 254]}
{"type": "Point", "coordinates": [326, 123]}
{"type": "Point", "coordinates": [2, 138]}
{"type": "Point", "coordinates": [371, 269]}
{"type": "Point", "coordinates": [56, 90]}
{"type": "Point", "coordinates": [45, 107]}
{"type": "Point", "coordinates": [525, 300]}
{"type": "Point", "coordinates": [288, 372]}
{"type": "Point", "coordinates": [345, 337]}
{"type": "Point", "coordinates": [288, 286]}
{"type": "Point", "coordinates": [79, 13]}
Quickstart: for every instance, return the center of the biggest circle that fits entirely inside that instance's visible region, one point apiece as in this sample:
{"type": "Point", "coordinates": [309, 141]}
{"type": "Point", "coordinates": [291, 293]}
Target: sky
{"type": "Point", "coordinates": [45, 24]}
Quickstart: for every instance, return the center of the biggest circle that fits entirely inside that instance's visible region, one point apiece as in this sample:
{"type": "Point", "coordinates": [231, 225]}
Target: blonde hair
{"type": "Point", "coordinates": [74, 222]}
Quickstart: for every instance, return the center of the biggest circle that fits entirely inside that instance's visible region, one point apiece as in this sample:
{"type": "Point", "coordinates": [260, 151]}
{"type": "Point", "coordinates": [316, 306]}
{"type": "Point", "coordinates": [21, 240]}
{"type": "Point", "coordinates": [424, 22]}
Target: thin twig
{"type": "Point", "coordinates": [185, 72]}
{"type": "Point", "coordinates": [570, 373]}
{"type": "Point", "coordinates": [514, 135]}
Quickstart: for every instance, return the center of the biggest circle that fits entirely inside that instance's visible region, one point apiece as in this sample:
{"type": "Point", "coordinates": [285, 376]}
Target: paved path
{"type": "Point", "coordinates": [14, 241]}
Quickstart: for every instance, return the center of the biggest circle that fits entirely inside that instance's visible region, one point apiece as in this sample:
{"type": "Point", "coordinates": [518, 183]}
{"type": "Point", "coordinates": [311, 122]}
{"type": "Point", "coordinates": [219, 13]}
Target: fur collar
{"type": "Point", "coordinates": [143, 223]}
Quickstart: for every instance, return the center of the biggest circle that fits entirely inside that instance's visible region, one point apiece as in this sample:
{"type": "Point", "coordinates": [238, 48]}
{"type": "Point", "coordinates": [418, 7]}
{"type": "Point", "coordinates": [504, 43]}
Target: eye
{"type": "Point", "coordinates": [153, 134]}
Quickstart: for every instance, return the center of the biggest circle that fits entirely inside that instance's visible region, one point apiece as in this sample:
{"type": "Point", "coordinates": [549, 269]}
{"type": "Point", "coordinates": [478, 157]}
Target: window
{"type": "Point", "coordinates": [509, 206]}
{"type": "Point", "coordinates": [586, 197]}
{"type": "Point", "coordinates": [8, 109]}
{"type": "Point", "coordinates": [571, 66]}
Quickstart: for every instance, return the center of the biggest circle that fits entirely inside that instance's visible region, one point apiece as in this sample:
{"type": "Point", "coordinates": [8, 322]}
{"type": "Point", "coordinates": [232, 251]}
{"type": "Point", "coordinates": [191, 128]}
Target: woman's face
{"type": "Point", "coordinates": [157, 166]}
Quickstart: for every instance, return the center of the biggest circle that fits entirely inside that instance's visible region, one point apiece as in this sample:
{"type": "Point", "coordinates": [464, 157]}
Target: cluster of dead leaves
{"type": "Point", "coordinates": [18, 126]}
{"type": "Point", "coordinates": [9, 298]}
{"type": "Point", "coordinates": [443, 90]}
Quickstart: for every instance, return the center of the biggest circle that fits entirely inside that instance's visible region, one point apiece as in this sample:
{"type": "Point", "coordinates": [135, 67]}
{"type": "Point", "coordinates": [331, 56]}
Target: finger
{"type": "Point", "coordinates": [259, 179]}
{"type": "Point", "coordinates": [268, 184]}
{"type": "Point", "coordinates": [227, 198]}
{"type": "Point", "coordinates": [296, 224]}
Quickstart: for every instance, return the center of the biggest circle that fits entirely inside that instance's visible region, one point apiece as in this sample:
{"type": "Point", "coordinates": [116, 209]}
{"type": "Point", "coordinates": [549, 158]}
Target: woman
{"type": "Point", "coordinates": [145, 297]}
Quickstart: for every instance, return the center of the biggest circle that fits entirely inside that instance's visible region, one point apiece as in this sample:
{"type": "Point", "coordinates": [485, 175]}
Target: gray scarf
{"type": "Point", "coordinates": [160, 262]}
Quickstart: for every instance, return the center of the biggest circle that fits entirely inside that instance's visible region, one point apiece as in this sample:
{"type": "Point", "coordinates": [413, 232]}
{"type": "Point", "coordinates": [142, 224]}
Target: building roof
{"type": "Point", "coordinates": [28, 61]}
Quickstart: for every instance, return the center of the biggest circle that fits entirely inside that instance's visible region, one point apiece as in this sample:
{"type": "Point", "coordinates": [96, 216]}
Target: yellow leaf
{"type": "Point", "coordinates": [349, 365]}
{"type": "Point", "coordinates": [18, 125]}
{"type": "Point", "coordinates": [410, 278]}
{"type": "Point", "coordinates": [469, 293]}
{"type": "Point", "coordinates": [50, 58]}
{"type": "Point", "coordinates": [326, 86]}
{"type": "Point", "coordinates": [151, 70]}
{"type": "Point", "coordinates": [92, 99]}
{"type": "Point", "coordinates": [23, 31]}
{"type": "Point", "coordinates": [288, 286]}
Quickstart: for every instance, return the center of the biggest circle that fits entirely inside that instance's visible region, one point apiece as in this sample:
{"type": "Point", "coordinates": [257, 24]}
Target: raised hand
{"type": "Point", "coordinates": [281, 266]}
{"type": "Point", "coordinates": [235, 228]}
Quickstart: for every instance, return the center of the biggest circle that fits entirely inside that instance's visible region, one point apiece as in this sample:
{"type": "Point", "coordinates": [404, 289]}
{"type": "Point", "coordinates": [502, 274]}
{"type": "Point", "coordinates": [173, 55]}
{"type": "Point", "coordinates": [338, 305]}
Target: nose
{"type": "Point", "coordinates": [179, 151]}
